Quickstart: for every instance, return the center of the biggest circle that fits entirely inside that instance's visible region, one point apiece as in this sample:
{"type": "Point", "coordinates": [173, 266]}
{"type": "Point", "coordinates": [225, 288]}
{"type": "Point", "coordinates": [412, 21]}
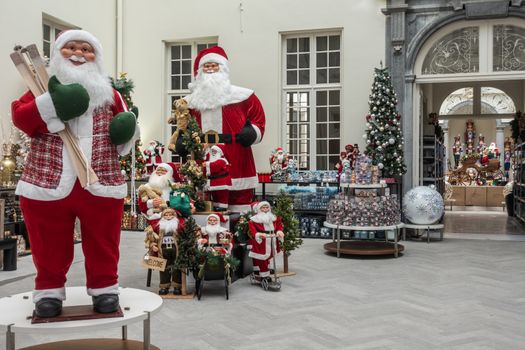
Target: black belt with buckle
{"type": "Point", "coordinates": [220, 176]}
{"type": "Point", "coordinates": [216, 138]}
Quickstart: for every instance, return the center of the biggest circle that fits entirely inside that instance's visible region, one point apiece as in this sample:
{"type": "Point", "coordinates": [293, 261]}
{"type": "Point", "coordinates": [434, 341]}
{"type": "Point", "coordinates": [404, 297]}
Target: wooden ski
{"type": "Point", "coordinates": [36, 79]}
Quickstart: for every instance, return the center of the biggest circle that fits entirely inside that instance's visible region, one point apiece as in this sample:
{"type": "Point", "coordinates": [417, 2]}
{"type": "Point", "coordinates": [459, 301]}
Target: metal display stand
{"type": "Point", "coordinates": [382, 248]}
{"type": "Point", "coordinates": [363, 247]}
{"type": "Point", "coordinates": [424, 227]}
{"type": "Point", "coordinates": [137, 305]}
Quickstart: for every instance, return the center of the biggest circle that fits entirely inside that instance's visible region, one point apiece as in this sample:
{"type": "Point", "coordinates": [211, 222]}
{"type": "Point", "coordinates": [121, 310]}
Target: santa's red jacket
{"type": "Point", "coordinates": [228, 122]}
{"type": "Point", "coordinates": [261, 246]}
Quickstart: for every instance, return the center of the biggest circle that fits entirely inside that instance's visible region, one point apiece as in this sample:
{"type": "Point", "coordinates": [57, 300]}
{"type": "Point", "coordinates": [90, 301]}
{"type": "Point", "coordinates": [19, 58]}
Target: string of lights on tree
{"type": "Point", "coordinates": [384, 138]}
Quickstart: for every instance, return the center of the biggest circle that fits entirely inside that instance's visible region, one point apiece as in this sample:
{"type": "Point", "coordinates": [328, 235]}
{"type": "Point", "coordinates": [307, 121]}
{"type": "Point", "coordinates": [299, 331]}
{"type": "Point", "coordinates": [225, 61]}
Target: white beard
{"type": "Point", "coordinates": [90, 75]}
{"type": "Point", "coordinates": [169, 225]}
{"type": "Point", "coordinates": [210, 91]}
{"type": "Point", "coordinates": [264, 218]}
{"type": "Point", "coordinates": [161, 182]}
{"type": "Point", "coordinates": [212, 231]}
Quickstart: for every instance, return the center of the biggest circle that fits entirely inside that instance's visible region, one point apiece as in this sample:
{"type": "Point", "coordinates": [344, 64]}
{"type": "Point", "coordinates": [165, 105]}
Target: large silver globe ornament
{"type": "Point", "coordinates": [423, 205]}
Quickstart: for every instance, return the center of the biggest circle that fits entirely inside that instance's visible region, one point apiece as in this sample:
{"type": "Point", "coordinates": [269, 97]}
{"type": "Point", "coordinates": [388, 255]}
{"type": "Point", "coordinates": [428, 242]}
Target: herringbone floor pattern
{"type": "Point", "coordinates": [455, 294]}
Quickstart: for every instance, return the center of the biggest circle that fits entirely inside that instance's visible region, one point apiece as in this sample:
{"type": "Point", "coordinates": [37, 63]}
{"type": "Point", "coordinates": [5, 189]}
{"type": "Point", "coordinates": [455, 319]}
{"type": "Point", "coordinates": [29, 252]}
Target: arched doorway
{"type": "Point", "coordinates": [470, 74]}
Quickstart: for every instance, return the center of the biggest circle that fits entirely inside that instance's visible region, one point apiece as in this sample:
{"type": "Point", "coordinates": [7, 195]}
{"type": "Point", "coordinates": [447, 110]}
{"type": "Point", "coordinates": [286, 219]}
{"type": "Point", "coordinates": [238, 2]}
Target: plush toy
{"type": "Point", "coordinates": [181, 118]}
{"type": "Point", "coordinates": [147, 192]}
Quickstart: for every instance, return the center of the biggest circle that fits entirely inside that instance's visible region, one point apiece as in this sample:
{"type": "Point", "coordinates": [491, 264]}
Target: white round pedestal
{"type": "Point", "coordinates": [137, 305]}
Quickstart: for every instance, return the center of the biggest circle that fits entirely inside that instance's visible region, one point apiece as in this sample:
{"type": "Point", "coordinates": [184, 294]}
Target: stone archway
{"type": "Point", "coordinates": [409, 26]}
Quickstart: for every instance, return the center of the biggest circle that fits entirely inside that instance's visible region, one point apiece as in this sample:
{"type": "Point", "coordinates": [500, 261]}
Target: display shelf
{"type": "Point", "coordinates": [519, 182]}
{"type": "Point", "coordinates": [297, 183]}
{"type": "Point", "coordinates": [432, 163]}
{"type": "Point", "coordinates": [362, 186]}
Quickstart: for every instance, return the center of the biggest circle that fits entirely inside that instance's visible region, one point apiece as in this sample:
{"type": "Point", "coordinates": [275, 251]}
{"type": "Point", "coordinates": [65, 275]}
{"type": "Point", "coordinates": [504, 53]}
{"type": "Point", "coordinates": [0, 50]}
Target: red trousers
{"type": "Point", "coordinates": [50, 226]}
{"type": "Point", "coordinates": [240, 200]}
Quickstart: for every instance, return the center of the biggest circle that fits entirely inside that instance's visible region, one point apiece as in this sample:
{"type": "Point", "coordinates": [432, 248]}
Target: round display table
{"type": "Point", "coordinates": [137, 305]}
{"type": "Point", "coordinates": [364, 247]}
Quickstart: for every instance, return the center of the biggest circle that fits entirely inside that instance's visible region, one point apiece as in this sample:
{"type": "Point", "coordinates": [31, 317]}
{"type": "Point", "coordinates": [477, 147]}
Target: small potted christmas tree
{"type": "Point", "coordinates": [283, 208]}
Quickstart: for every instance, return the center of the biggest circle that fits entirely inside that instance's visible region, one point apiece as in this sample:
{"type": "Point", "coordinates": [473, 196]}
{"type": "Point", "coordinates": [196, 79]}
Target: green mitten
{"type": "Point", "coordinates": [122, 128]}
{"type": "Point", "coordinates": [70, 101]}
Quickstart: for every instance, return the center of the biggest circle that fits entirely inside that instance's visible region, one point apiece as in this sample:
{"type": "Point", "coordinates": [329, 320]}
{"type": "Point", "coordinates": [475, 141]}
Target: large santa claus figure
{"type": "Point", "coordinates": [51, 197]}
{"type": "Point", "coordinates": [235, 113]}
{"type": "Point", "coordinates": [261, 224]}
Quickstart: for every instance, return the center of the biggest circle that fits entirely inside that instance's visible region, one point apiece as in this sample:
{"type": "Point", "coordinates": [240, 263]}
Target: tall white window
{"type": "Point", "coordinates": [180, 72]}
{"type": "Point", "coordinates": [312, 98]}
{"type": "Point", "coordinates": [50, 31]}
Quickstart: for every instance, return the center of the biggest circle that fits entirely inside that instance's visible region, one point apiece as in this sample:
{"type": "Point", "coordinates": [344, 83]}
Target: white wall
{"type": "Point", "coordinates": [254, 53]}
{"type": "Point", "coordinates": [21, 23]}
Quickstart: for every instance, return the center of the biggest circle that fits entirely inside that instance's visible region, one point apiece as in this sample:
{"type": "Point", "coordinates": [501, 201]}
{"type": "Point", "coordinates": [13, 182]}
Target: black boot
{"type": "Point", "coordinates": [48, 307]}
{"type": "Point", "coordinates": [177, 291]}
{"type": "Point", "coordinates": [163, 291]}
{"type": "Point", "coordinates": [105, 303]}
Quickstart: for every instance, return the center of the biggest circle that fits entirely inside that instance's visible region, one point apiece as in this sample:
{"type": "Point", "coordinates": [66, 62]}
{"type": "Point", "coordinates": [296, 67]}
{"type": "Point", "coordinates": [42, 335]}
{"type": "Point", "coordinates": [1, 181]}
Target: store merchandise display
{"type": "Point", "coordinates": [311, 198]}
{"type": "Point", "coordinates": [365, 173]}
{"type": "Point", "coordinates": [312, 226]}
{"type": "Point", "coordinates": [423, 205]}
{"type": "Point", "coordinates": [369, 210]}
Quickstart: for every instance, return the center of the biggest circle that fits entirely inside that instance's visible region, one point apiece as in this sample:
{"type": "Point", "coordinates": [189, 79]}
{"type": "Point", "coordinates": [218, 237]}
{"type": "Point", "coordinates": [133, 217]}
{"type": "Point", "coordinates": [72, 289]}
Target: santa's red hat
{"type": "Point", "coordinates": [218, 216]}
{"type": "Point", "coordinates": [212, 54]}
{"type": "Point", "coordinates": [217, 148]}
{"type": "Point", "coordinates": [257, 206]}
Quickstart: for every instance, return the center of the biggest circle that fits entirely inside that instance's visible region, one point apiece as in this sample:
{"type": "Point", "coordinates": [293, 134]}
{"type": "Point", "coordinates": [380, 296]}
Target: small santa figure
{"type": "Point", "coordinates": [153, 155]}
{"type": "Point", "coordinates": [279, 164]}
{"type": "Point", "coordinates": [161, 241]}
{"type": "Point", "coordinates": [484, 159]}
{"type": "Point", "coordinates": [493, 151]}
{"type": "Point", "coordinates": [339, 164]}
{"type": "Point", "coordinates": [217, 170]}
{"type": "Point", "coordinates": [162, 178]}
{"type": "Point", "coordinates": [214, 236]}
{"type": "Point", "coordinates": [262, 223]}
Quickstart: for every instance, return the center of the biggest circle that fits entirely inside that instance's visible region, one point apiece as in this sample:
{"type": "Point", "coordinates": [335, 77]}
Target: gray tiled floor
{"type": "Point", "coordinates": [455, 294]}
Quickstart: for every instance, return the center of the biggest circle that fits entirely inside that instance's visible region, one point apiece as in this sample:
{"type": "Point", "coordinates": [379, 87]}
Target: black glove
{"type": "Point", "coordinates": [247, 135]}
{"type": "Point", "coordinates": [180, 149]}
{"type": "Point", "coordinates": [70, 100]}
{"type": "Point", "coordinates": [135, 111]}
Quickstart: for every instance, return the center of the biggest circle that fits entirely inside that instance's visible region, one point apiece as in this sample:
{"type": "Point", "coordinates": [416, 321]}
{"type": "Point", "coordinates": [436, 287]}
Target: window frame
{"type": "Point", "coordinates": [312, 88]}
{"type": "Point", "coordinates": [178, 93]}
{"type": "Point", "coordinates": [54, 26]}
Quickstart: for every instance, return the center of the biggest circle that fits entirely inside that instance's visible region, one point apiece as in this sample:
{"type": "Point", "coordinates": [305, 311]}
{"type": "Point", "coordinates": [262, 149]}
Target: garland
{"type": "Point", "coordinates": [191, 139]}
{"type": "Point", "coordinates": [474, 155]}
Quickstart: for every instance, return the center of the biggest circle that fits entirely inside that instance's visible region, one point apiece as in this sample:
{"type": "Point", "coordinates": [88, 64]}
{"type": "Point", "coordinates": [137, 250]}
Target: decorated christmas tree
{"type": "Point", "coordinates": [384, 138]}
{"type": "Point", "coordinates": [125, 87]}
{"type": "Point", "coordinates": [284, 209]}
{"type": "Point", "coordinates": [187, 250]}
